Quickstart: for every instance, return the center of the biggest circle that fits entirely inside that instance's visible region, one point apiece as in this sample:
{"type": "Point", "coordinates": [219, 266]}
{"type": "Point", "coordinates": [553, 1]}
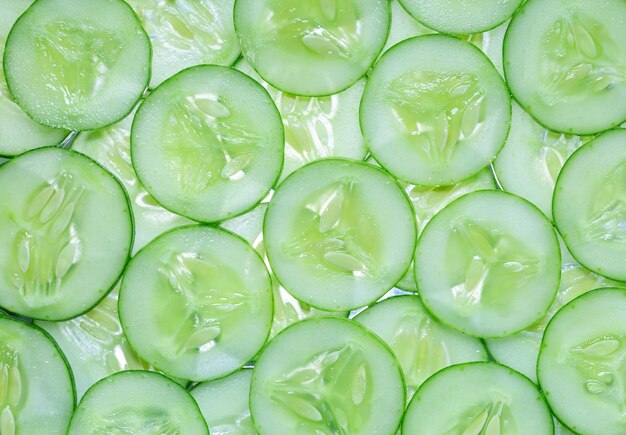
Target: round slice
{"type": "Point", "coordinates": [77, 66]}
{"type": "Point", "coordinates": [478, 398]}
{"type": "Point", "coordinates": [439, 121]}
{"type": "Point", "coordinates": [312, 48]}
{"type": "Point", "coordinates": [339, 234]}
{"type": "Point", "coordinates": [326, 375]}
{"type": "Point", "coordinates": [196, 303]}
{"type": "Point", "coordinates": [589, 205]}
{"type": "Point", "coordinates": [67, 232]}
{"type": "Point", "coordinates": [565, 61]}
{"type": "Point", "coordinates": [581, 363]}
{"type": "Point", "coordinates": [137, 402]}
{"type": "Point", "coordinates": [488, 264]}
{"type": "Point", "coordinates": [208, 143]}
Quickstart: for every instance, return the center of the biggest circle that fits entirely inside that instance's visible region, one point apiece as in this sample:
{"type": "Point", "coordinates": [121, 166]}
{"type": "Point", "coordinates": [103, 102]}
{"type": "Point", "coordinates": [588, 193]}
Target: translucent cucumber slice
{"type": "Point", "coordinates": [488, 264]}
{"type": "Point", "coordinates": [436, 122]}
{"type": "Point", "coordinates": [478, 398]}
{"type": "Point", "coordinates": [208, 143]}
{"type": "Point", "coordinates": [314, 48]}
{"type": "Point", "coordinates": [66, 234]}
{"type": "Point", "coordinates": [196, 303]}
{"type": "Point", "coordinates": [224, 404]}
{"type": "Point", "coordinates": [137, 402]}
{"type": "Point", "coordinates": [581, 363]}
{"type": "Point", "coordinates": [110, 146]}
{"type": "Point", "coordinates": [590, 215]}
{"type": "Point", "coordinates": [327, 375]}
{"type": "Point", "coordinates": [77, 66]}
{"type": "Point", "coordinates": [38, 394]}
{"type": "Point", "coordinates": [420, 343]}
{"type": "Point", "coordinates": [520, 351]}
{"type": "Point", "coordinates": [565, 63]}
{"type": "Point", "coordinates": [185, 33]}
{"type": "Point", "coordinates": [339, 234]}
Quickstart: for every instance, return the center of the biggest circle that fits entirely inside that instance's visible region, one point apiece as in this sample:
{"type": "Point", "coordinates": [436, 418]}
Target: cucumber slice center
{"type": "Point", "coordinates": [492, 418]}
{"type": "Point", "coordinates": [146, 420]}
{"type": "Point", "coordinates": [12, 394]}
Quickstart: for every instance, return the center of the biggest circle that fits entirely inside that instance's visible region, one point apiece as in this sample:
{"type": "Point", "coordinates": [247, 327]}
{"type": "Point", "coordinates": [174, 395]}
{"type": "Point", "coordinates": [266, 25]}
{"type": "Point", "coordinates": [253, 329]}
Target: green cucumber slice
{"type": "Point", "coordinates": [339, 234]}
{"type": "Point", "coordinates": [565, 63]}
{"type": "Point", "coordinates": [437, 122]}
{"type": "Point", "coordinates": [38, 394]}
{"type": "Point", "coordinates": [580, 365]}
{"type": "Point", "coordinates": [224, 404]}
{"type": "Point", "coordinates": [134, 402]}
{"type": "Point", "coordinates": [67, 232]}
{"type": "Point", "coordinates": [196, 303]}
{"type": "Point", "coordinates": [488, 264]}
{"type": "Point", "coordinates": [312, 48]}
{"type": "Point", "coordinates": [208, 143]}
{"type": "Point", "coordinates": [590, 215]}
{"type": "Point", "coordinates": [420, 343]}
{"type": "Point", "coordinates": [478, 398]}
{"type": "Point", "coordinates": [326, 375]}
{"type": "Point", "coordinates": [77, 66]}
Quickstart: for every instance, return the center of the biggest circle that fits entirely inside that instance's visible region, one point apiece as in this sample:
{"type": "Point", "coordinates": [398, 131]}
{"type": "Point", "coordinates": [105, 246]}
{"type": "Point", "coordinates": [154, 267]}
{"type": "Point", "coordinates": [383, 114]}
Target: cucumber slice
{"type": "Point", "coordinates": [564, 63]}
{"type": "Point", "coordinates": [312, 48]}
{"type": "Point", "coordinates": [436, 122]}
{"type": "Point", "coordinates": [66, 234]}
{"type": "Point", "coordinates": [224, 404]}
{"type": "Point", "coordinates": [339, 234]}
{"type": "Point", "coordinates": [134, 402]}
{"type": "Point", "coordinates": [326, 375]}
{"type": "Point", "coordinates": [317, 127]}
{"type": "Point", "coordinates": [488, 264]}
{"type": "Point", "coordinates": [590, 215]}
{"type": "Point", "coordinates": [580, 365]}
{"type": "Point", "coordinates": [403, 26]}
{"type": "Point", "coordinates": [208, 143]}
{"type": "Point", "coordinates": [77, 66]}
{"type": "Point", "coordinates": [459, 17]}
{"type": "Point", "coordinates": [196, 302]}
{"type": "Point", "coordinates": [478, 398]}
{"type": "Point", "coordinates": [38, 394]}
{"type": "Point", "coordinates": [420, 343]}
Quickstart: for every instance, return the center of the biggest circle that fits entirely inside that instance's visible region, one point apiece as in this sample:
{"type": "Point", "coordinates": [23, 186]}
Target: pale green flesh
{"type": "Point", "coordinates": [478, 399]}
{"type": "Point", "coordinates": [316, 47]}
{"type": "Point", "coordinates": [488, 264]}
{"type": "Point", "coordinates": [66, 233]}
{"type": "Point", "coordinates": [326, 375]}
{"type": "Point", "coordinates": [137, 402]}
{"type": "Point", "coordinates": [196, 303]}
{"type": "Point", "coordinates": [208, 143]}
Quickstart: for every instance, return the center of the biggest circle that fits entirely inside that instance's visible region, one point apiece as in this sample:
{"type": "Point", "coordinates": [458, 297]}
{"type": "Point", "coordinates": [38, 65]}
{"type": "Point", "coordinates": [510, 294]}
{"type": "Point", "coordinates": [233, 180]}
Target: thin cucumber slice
{"type": "Point", "coordinates": [110, 146]}
{"type": "Point", "coordinates": [478, 398]}
{"type": "Point", "coordinates": [532, 159]}
{"type": "Point", "coordinates": [185, 33]}
{"type": "Point", "coordinates": [137, 402]}
{"type": "Point", "coordinates": [403, 26]}
{"type": "Point", "coordinates": [37, 387]}
{"type": "Point", "coordinates": [461, 17]}
{"type": "Point", "coordinates": [436, 122]}
{"type": "Point", "coordinates": [77, 66]}
{"type": "Point", "coordinates": [520, 351]}
{"type": "Point", "coordinates": [327, 375]}
{"type": "Point", "coordinates": [590, 215]}
{"type": "Point", "coordinates": [565, 63]}
{"type": "Point", "coordinates": [196, 303]}
{"type": "Point", "coordinates": [420, 343]}
{"type": "Point", "coordinates": [488, 264]}
{"type": "Point", "coordinates": [580, 365]}
{"type": "Point", "coordinates": [313, 48]}
{"type": "Point", "coordinates": [224, 404]}
{"type": "Point", "coordinates": [67, 232]}
{"type": "Point", "coordinates": [208, 143]}
{"type": "Point", "coordinates": [339, 234]}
